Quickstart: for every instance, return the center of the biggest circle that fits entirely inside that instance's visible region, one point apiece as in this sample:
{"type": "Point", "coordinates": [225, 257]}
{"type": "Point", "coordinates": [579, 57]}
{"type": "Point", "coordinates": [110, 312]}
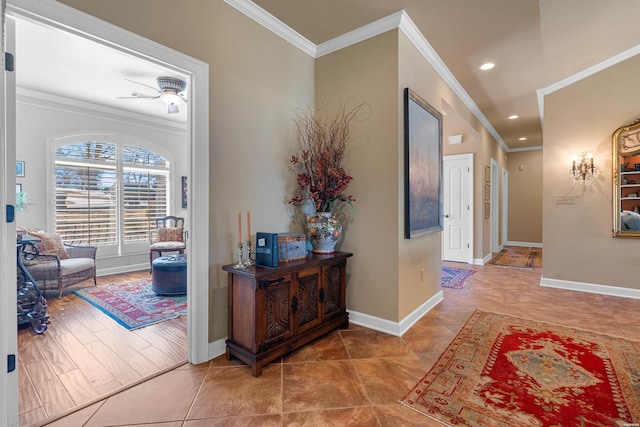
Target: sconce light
{"type": "Point", "coordinates": [583, 168]}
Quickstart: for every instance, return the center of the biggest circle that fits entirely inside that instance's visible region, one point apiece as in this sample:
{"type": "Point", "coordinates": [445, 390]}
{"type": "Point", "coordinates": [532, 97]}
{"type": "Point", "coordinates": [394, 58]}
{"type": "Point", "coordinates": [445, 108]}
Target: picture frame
{"type": "Point", "coordinates": [487, 192]}
{"type": "Point", "coordinates": [423, 166]}
{"type": "Point", "coordinates": [18, 188]}
{"type": "Point", "coordinates": [20, 168]}
{"type": "Point", "coordinates": [487, 174]}
{"type": "Point", "coordinates": [487, 211]}
{"type": "Point", "coordinates": [184, 192]}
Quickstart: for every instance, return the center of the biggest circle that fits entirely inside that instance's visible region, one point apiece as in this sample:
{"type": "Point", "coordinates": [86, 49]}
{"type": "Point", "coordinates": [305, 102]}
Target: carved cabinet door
{"type": "Point", "coordinates": [307, 299]}
{"type": "Point", "coordinates": [277, 324]}
{"type": "Point", "coordinates": [332, 293]}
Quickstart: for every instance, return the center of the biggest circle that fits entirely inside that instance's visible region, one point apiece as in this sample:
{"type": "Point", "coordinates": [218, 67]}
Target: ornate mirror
{"type": "Point", "coordinates": [626, 181]}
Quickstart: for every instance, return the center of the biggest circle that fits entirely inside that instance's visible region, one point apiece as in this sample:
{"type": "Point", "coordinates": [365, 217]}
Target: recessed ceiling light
{"type": "Point", "coordinates": [513, 116]}
{"type": "Point", "coordinates": [522, 138]}
{"type": "Point", "coordinates": [487, 66]}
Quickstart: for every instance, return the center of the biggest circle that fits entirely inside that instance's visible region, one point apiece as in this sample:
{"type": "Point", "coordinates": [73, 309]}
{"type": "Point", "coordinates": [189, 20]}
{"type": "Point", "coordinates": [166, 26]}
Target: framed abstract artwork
{"type": "Point", "coordinates": [185, 198]}
{"type": "Point", "coordinates": [423, 166]}
{"type": "Point", "coordinates": [20, 168]}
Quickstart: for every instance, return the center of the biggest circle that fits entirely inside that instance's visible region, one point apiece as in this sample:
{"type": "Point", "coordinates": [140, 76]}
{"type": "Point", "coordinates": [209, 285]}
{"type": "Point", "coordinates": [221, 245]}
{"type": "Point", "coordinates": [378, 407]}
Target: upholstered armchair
{"type": "Point", "coordinates": [58, 265]}
{"type": "Point", "coordinates": [169, 237]}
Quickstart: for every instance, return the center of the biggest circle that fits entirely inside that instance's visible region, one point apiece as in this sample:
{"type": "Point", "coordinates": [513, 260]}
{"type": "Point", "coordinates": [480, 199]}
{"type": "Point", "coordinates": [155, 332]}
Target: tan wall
{"type": "Point", "coordinates": [256, 79]}
{"type": "Point", "coordinates": [525, 196]}
{"type": "Point", "coordinates": [577, 238]}
{"type": "Point", "coordinates": [368, 72]}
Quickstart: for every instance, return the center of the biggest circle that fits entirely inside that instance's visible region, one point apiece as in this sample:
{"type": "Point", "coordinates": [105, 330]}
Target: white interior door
{"type": "Point", "coordinates": [457, 184]}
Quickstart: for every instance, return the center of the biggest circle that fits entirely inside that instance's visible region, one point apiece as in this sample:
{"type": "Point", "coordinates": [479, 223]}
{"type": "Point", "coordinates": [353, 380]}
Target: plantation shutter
{"type": "Point", "coordinates": [85, 195]}
{"type": "Point", "coordinates": [145, 192]}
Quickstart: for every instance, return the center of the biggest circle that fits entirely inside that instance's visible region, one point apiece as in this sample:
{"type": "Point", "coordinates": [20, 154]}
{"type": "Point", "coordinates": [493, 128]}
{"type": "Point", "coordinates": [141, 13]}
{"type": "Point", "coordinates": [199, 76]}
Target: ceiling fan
{"type": "Point", "coordinates": [170, 91]}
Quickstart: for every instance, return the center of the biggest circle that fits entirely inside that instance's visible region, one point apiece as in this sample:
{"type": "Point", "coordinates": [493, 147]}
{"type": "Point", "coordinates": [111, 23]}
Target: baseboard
{"type": "Point", "coordinates": [483, 261]}
{"type": "Point", "coordinates": [395, 328]}
{"type": "Point", "coordinates": [591, 288]}
{"type": "Point", "coordinates": [217, 348]}
{"type": "Point", "coordinates": [122, 269]}
{"type": "Point", "coordinates": [524, 244]}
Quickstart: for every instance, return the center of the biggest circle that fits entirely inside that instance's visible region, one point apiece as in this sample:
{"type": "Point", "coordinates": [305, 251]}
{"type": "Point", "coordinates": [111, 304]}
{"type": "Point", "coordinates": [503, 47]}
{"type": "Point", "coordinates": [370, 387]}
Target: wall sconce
{"type": "Point", "coordinates": [583, 168]}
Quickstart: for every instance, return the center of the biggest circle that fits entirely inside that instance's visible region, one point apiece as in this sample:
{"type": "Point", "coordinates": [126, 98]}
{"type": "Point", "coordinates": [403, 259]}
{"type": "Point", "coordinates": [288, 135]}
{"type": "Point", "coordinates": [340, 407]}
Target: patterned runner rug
{"type": "Point", "coordinates": [133, 304]}
{"type": "Point", "coordinates": [505, 371]}
{"type": "Point", "coordinates": [520, 257]}
{"type": "Point", "coordinates": [455, 277]}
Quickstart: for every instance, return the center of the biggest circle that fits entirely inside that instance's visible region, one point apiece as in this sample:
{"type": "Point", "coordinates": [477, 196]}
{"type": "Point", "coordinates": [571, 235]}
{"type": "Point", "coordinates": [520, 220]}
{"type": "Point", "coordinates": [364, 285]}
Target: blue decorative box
{"type": "Point", "coordinates": [291, 247]}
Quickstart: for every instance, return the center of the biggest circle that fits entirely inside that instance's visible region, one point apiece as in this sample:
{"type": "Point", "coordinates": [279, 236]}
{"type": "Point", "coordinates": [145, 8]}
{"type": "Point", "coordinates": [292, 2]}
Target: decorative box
{"type": "Point", "coordinates": [291, 246]}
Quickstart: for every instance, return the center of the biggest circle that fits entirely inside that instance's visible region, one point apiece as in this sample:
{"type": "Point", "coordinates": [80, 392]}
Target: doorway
{"type": "Point", "coordinates": [457, 236]}
{"type": "Point", "coordinates": [65, 18]}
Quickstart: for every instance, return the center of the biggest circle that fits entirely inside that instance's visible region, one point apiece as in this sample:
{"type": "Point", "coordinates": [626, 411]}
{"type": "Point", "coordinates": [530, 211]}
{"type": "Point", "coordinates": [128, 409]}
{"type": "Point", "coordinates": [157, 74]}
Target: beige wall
{"type": "Point", "coordinates": [368, 72]}
{"type": "Point", "coordinates": [256, 79]}
{"type": "Point", "coordinates": [525, 196]}
{"type": "Point", "coordinates": [577, 238]}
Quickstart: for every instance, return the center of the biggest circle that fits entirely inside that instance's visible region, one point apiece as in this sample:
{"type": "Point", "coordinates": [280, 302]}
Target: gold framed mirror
{"type": "Point", "coordinates": [626, 181]}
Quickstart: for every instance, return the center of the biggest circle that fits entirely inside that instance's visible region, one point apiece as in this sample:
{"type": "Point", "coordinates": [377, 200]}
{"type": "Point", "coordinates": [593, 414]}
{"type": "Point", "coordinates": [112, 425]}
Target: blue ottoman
{"type": "Point", "coordinates": [169, 275]}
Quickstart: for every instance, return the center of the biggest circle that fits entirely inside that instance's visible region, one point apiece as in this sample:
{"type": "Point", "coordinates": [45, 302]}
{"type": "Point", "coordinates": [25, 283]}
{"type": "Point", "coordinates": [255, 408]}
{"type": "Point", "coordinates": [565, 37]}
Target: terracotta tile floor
{"type": "Point", "coordinates": [350, 377]}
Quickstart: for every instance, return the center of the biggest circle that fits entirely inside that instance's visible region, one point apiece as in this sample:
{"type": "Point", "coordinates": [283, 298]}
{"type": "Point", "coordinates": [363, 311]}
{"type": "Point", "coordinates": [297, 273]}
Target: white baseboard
{"type": "Point", "coordinates": [591, 288]}
{"type": "Point", "coordinates": [525, 244]}
{"type": "Point", "coordinates": [395, 328]}
{"type": "Point", "coordinates": [483, 261]}
{"type": "Point", "coordinates": [122, 269]}
{"type": "Point", "coordinates": [217, 348]}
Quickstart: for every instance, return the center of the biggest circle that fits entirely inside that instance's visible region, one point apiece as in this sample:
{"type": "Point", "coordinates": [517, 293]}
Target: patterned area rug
{"type": "Point", "coordinates": [134, 304]}
{"type": "Point", "coordinates": [505, 371]}
{"type": "Point", "coordinates": [520, 257]}
{"type": "Point", "coordinates": [455, 277]}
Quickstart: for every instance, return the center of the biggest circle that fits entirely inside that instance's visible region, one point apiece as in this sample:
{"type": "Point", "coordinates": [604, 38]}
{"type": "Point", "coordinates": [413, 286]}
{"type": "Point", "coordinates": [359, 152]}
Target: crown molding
{"type": "Point", "coordinates": [270, 22]}
{"type": "Point", "coordinates": [363, 33]}
{"type": "Point", "coordinates": [517, 150]}
{"type": "Point", "coordinates": [622, 56]}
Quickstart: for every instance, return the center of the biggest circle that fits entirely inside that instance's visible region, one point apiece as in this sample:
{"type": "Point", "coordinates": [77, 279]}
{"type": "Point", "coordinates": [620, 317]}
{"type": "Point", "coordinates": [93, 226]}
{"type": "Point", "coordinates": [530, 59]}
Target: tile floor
{"type": "Point", "coordinates": [352, 377]}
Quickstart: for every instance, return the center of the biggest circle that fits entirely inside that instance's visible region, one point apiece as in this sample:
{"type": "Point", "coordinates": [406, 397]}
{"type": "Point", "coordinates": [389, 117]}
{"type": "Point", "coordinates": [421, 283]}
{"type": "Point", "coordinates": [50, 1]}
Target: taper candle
{"type": "Point", "coordinates": [239, 228]}
{"type": "Point", "coordinates": [248, 226]}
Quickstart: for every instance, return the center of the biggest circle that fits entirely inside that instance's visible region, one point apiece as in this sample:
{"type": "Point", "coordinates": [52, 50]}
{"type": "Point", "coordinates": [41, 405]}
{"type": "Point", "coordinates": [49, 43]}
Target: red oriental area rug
{"type": "Point", "coordinates": [505, 371]}
{"type": "Point", "coordinates": [134, 304]}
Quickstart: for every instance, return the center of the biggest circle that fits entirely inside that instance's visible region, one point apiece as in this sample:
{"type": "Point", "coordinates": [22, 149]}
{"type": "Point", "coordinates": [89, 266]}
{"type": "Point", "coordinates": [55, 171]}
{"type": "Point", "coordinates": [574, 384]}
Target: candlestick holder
{"type": "Point", "coordinates": [240, 263]}
{"type": "Point", "coordinates": [249, 261]}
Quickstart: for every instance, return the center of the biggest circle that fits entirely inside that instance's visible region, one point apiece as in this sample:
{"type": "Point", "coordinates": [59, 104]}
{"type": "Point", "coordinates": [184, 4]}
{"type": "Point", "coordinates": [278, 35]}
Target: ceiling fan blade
{"type": "Point", "coordinates": [172, 108]}
{"type": "Point", "coordinates": [143, 84]}
{"type": "Point", "coordinates": [138, 95]}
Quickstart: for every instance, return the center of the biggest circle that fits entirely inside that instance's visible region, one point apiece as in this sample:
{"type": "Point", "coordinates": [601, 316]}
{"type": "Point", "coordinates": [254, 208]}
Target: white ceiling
{"type": "Point", "coordinates": [534, 43]}
{"type": "Point", "coordinates": [54, 62]}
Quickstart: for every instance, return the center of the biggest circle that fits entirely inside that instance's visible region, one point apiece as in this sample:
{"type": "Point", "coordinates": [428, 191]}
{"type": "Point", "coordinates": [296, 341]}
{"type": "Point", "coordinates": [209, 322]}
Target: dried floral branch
{"type": "Point", "coordinates": [322, 142]}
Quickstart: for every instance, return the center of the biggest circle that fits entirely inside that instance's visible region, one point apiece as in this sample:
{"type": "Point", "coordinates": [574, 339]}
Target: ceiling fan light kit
{"type": "Point", "coordinates": [170, 91]}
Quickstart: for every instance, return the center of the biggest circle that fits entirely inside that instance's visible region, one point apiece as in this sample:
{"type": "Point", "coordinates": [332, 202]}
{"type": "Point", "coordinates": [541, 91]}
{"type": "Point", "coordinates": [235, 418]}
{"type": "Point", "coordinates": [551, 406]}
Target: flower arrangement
{"type": "Point", "coordinates": [322, 141]}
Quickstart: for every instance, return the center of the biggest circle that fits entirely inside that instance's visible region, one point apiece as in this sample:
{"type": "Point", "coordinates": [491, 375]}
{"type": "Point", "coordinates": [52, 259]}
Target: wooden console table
{"type": "Point", "coordinates": [273, 311]}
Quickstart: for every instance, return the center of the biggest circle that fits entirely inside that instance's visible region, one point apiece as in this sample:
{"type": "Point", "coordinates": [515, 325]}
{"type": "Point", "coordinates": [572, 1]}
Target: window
{"type": "Point", "coordinates": [109, 194]}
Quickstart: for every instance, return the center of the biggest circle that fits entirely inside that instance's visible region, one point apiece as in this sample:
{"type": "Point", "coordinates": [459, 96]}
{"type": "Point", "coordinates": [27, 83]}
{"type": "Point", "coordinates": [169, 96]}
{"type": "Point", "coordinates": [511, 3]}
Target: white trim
{"type": "Point", "coordinates": [622, 56]}
{"type": "Point", "coordinates": [396, 328]}
{"type": "Point", "coordinates": [366, 32]}
{"type": "Point", "coordinates": [517, 150]}
{"type": "Point", "coordinates": [217, 348]}
{"type": "Point", "coordinates": [505, 206]}
{"type": "Point", "coordinates": [273, 24]}
{"type": "Point", "coordinates": [483, 261]}
{"type": "Point", "coordinates": [592, 288]}
{"type": "Point", "coordinates": [57, 15]}
{"type": "Point", "coordinates": [524, 244]}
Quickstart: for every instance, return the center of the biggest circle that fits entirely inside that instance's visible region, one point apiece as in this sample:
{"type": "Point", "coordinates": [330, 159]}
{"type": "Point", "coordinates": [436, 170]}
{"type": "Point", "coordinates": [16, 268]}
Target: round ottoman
{"type": "Point", "coordinates": [169, 275]}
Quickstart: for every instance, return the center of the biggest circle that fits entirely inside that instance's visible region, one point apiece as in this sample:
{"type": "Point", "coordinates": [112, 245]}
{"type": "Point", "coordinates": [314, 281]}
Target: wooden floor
{"type": "Point", "coordinates": [85, 354]}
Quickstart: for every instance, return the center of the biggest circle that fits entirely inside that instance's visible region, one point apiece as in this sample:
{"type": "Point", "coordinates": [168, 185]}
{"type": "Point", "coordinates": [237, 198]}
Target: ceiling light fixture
{"type": "Point", "coordinates": [487, 66]}
{"type": "Point", "coordinates": [522, 138]}
{"type": "Point", "coordinates": [513, 116]}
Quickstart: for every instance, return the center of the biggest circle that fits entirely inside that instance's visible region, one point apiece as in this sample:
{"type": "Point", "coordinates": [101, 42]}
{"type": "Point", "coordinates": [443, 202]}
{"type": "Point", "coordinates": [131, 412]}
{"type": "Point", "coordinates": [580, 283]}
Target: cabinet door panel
{"type": "Point", "coordinates": [308, 303]}
{"type": "Point", "coordinates": [332, 290]}
{"type": "Point", "coordinates": [277, 311]}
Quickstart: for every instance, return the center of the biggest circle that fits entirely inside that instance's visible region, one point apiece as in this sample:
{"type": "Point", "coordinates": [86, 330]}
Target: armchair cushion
{"type": "Point", "coordinates": [51, 244]}
{"type": "Point", "coordinates": [170, 234]}
{"type": "Point", "coordinates": [167, 246]}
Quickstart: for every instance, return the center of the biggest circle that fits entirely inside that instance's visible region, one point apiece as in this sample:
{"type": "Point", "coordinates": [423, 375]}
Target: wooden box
{"type": "Point", "coordinates": [291, 247]}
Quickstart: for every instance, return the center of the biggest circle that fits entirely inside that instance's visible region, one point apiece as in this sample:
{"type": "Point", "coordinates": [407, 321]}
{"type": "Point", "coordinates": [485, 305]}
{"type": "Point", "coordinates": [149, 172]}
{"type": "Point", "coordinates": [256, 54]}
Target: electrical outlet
{"type": "Point", "coordinates": [564, 200]}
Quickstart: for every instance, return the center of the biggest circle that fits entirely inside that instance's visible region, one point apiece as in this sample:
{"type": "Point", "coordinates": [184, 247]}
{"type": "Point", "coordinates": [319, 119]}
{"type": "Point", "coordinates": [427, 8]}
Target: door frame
{"type": "Point", "coordinates": [468, 223]}
{"type": "Point", "coordinates": [495, 208]}
{"type": "Point", "coordinates": [57, 15]}
{"type": "Point", "coordinates": [505, 206]}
